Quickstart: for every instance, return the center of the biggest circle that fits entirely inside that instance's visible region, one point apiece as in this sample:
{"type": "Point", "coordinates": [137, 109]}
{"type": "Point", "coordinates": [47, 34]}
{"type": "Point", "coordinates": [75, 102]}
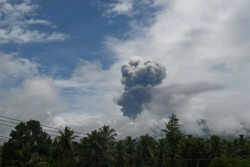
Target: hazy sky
{"type": "Point", "coordinates": [61, 60]}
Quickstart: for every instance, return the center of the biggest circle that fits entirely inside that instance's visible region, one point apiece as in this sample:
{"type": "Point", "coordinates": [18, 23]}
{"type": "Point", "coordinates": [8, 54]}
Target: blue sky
{"type": "Point", "coordinates": [60, 63]}
{"type": "Point", "coordinates": [85, 26]}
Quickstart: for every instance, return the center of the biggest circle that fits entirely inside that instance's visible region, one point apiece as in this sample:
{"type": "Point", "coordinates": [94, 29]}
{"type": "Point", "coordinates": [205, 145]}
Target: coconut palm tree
{"type": "Point", "coordinates": [98, 147]}
{"type": "Point", "coordinates": [130, 145]}
{"type": "Point", "coordinates": [120, 153]}
{"type": "Point", "coordinates": [160, 152]}
{"type": "Point", "coordinates": [65, 146]}
{"type": "Point", "coordinates": [232, 149]}
{"type": "Point", "coordinates": [109, 134]}
{"type": "Point", "coordinates": [28, 159]}
{"type": "Point", "coordinates": [146, 150]}
{"type": "Point", "coordinates": [215, 146]}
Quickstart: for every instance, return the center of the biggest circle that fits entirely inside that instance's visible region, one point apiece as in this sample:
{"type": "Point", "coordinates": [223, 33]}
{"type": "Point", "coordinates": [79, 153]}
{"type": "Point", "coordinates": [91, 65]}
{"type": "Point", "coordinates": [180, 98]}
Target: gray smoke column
{"type": "Point", "coordinates": [138, 77]}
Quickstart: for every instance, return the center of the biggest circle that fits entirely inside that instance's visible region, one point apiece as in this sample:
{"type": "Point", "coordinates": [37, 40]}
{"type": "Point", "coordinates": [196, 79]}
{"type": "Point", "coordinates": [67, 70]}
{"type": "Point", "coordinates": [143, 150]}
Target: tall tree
{"type": "Point", "coordinates": [215, 147]}
{"type": "Point", "coordinates": [120, 154]}
{"type": "Point", "coordinates": [173, 136]}
{"type": "Point", "coordinates": [130, 145]}
{"type": "Point", "coordinates": [232, 149]}
{"type": "Point", "coordinates": [146, 150]}
{"type": "Point", "coordinates": [160, 152]}
{"type": "Point", "coordinates": [65, 144]}
{"type": "Point", "coordinates": [193, 150]}
{"type": "Point", "coordinates": [108, 134]}
{"type": "Point", "coordinates": [98, 147]}
{"type": "Point", "coordinates": [25, 158]}
{"type": "Point", "coordinates": [30, 133]}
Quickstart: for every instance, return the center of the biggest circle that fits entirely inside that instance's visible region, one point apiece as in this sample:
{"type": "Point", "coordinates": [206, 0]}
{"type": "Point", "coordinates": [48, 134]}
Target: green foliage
{"type": "Point", "coordinates": [30, 146]}
{"type": "Point", "coordinates": [173, 137]}
{"type": "Point", "coordinates": [227, 162]}
{"type": "Point", "coordinates": [130, 148]}
{"type": "Point", "coordinates": [238, 162]}
{"type": "Point", "coordinates": [1, 155]}
{"type": "Point", "coordinates": [64, 147]}
{"type": "Point", "coordinates": [98, 147]}
{"type": "Point", "coordinates": [172, 131]}
{"type": "Point", "coordinates": [194, 150]}
{"type": "Point", "coordinates": [215, 147]}
{"type": "Point", "coordinates": [220, 162]}
{"type": "Point", "coordinates": [160, 152]}
{"type": "Point", "coordinates": [120, 153]}
{"type": "Point", "coordinates": [30, 133]}
{"type": "Point", "coordinates": [25, 158]}
{"type": "Point", "coordinates": [146, 150]}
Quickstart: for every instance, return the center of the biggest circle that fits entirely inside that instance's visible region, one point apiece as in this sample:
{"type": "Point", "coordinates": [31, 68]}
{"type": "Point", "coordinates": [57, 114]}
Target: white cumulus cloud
{"type": "Point", "coordinates": [15, 20]}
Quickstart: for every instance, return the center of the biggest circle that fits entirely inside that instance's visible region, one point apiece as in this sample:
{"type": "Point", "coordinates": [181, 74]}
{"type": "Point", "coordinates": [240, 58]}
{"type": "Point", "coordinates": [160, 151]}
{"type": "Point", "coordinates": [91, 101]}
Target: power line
{"type": "Point", "coordinates": [17, 124]}
{"type": "Point", "coordinates": [14, 127]}
{"type": "Point", "coordinates": [41, 125]}
{"type": "Point", "coordinates": [3, 140]}
{"type": "Point", "coordinates": [11, 119]}
{"type": "Point", "coordinates": [50, 130]}
{"type": "Point", "coordinates": [8, 121]}
{"type": "Point", "coordinates": [4, 137]}
{"type": "Point", "coordinates": [7, 125]}
{"type": "Point", "coordinates": [45, 131]}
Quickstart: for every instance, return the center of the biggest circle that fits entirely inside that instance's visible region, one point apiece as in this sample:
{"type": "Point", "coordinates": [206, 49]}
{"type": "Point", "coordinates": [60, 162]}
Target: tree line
{"type": "Point", "coordinates": [30, 146]}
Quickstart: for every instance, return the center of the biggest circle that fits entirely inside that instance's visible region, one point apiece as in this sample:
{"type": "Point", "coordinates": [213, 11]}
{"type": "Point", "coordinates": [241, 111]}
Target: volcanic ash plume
{"type": "Point", "coordinates": [138, 78]}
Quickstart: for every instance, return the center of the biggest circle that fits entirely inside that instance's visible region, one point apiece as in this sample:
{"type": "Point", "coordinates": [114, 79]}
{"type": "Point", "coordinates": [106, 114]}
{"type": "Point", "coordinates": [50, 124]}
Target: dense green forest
{"type": "Point", "coordinates": [30, 146]}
